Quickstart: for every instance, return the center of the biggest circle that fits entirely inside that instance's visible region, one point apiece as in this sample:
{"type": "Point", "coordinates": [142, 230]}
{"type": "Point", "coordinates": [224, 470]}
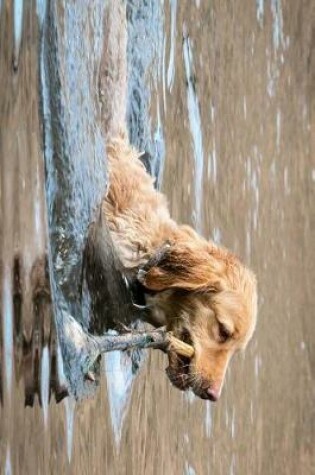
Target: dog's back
{"type": "Point", "coordinates": [136, 212]}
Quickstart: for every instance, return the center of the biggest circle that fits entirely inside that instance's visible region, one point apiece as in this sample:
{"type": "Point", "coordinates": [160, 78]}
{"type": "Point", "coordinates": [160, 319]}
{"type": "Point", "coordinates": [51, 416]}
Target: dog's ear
{"type": "Point", "coordinates": [185, 265]}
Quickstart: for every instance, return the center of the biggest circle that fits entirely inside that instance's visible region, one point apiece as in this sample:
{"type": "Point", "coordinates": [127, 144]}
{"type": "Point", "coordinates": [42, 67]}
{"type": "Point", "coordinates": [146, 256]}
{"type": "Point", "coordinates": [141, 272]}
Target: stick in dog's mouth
{"type": "Point", "coordinates": [157, 339]}
{"type": "Point", "coordinates": [180, 347]}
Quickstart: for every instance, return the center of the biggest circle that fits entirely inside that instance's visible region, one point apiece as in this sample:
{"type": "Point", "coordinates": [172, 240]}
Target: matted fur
{"type": "Point", "coordinates": [201, 291]}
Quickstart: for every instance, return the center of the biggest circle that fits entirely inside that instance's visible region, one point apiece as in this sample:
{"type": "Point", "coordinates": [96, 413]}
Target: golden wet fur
{"type": "Point", "coordinates": [199, 290]}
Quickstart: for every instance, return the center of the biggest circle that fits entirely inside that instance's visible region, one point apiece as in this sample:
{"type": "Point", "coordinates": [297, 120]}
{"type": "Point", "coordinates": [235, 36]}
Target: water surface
{"type": "Point", "coordinates": [221, 95]}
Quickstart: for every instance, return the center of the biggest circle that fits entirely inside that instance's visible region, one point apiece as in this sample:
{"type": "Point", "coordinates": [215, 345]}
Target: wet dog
{"type": "Point", "coordinates": [201, 291]}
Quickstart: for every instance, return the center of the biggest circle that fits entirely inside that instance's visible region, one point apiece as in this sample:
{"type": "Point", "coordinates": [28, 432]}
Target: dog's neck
{"type": "Point", "coordinates": [147, 302]}
{"type": "Point", "coordinates": [136, 243]}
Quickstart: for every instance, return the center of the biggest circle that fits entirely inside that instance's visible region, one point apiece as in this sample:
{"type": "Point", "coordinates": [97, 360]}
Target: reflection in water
{"type": "Point", "coordinates": [236, 93]}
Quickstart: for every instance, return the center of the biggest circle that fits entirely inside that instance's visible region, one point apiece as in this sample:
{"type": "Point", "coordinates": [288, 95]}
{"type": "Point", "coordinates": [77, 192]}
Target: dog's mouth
{"type": "Point", "coordinates": [180, 374]}
{"type": "Point", "coordinates": [178, 370]}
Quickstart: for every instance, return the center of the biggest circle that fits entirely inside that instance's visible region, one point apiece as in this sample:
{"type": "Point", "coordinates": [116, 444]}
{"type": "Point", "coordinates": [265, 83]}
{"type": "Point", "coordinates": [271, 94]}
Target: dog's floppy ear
{"type": "Point", "coordinates": [185, 265]}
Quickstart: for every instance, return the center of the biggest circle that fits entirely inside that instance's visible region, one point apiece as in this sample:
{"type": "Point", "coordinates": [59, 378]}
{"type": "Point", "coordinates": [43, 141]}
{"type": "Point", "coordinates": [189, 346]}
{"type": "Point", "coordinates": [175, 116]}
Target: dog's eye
{"type": "Point", "coordinates": [224, 333]}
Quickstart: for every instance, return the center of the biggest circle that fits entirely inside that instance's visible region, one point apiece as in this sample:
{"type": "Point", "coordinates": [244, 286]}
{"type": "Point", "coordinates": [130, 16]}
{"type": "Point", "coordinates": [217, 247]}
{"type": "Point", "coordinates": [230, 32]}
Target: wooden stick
{"type": "Point", "coordinates": [180, 347]}
{"type": "Point", "coordinates": [157, 339]}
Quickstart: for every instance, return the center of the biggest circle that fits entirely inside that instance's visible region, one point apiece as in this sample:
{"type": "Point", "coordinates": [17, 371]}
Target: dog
{"type": "Point", "coordinates": [200, 291]}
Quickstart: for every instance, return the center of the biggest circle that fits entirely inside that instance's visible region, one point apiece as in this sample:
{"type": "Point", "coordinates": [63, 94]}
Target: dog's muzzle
{"type": "Point", "coordinates": [179, 373]}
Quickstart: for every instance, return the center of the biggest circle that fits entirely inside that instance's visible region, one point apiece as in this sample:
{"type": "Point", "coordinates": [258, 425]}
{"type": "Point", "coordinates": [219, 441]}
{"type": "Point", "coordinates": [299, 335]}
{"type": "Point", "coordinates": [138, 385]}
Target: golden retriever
{"type": "Point", "coordinates": [201, 291]}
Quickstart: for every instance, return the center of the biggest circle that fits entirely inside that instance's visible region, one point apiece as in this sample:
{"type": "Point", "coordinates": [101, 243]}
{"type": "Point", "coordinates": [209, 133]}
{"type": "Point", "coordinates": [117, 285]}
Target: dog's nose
{"type": "Point", "coordinates": [214, 392]}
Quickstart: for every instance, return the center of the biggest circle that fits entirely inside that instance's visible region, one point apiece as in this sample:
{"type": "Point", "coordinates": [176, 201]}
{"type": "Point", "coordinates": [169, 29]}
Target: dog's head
{"type": "Point", "coordinates": [208, 299]}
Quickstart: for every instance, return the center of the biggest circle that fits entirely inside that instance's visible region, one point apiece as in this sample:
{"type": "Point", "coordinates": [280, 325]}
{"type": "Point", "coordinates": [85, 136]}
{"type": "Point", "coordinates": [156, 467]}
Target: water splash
{"type": "Point", "coordinates": [119, 378]}
{"type": "Point", "coordinates": [232, 465]}
{"type": "Point", "coordinates": [44, 382]}
{"type": "Point", "coordinates": [189, 397]}
{"type": "Point", "coordinates": [212, 157]}
{"type": "Point", "coordinates": [171, 63]}
{"type": "Point", "coordinates": [189, 469]}
{"type": "Point", "coordinates": [208, 419]}
{"type": "Point", "coordinates": [260, 7]}
{"type": "Point", "coordinates": [278, 129]}
{"type": "Point", "coordinates": [277, 25]}
{"type": "Point", "coordinates": [145, 61]}
{"type": "Point", "coordinates": [233, 424]}
{"type": "Point", "coordinates": [195, 128]}
{"type": "Point", "coordinates": [18, 7]}
{"type": "Point", "coordinates": [7, 325]}
{"type": "Point", "coordinates": [41, 10]}
{"type": "Point", "coordinates": [158, 158]}
{"type": "Point", "coordinates": [213, 164]}
{"type": "Point", "coordinates": [70, 405]}
{"type": "Point", "coordinates": [8, 465]}
{"type": "Point", "coordinates": [60, 369]}
{"type": "Point", "coordinates": [216, 235]}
